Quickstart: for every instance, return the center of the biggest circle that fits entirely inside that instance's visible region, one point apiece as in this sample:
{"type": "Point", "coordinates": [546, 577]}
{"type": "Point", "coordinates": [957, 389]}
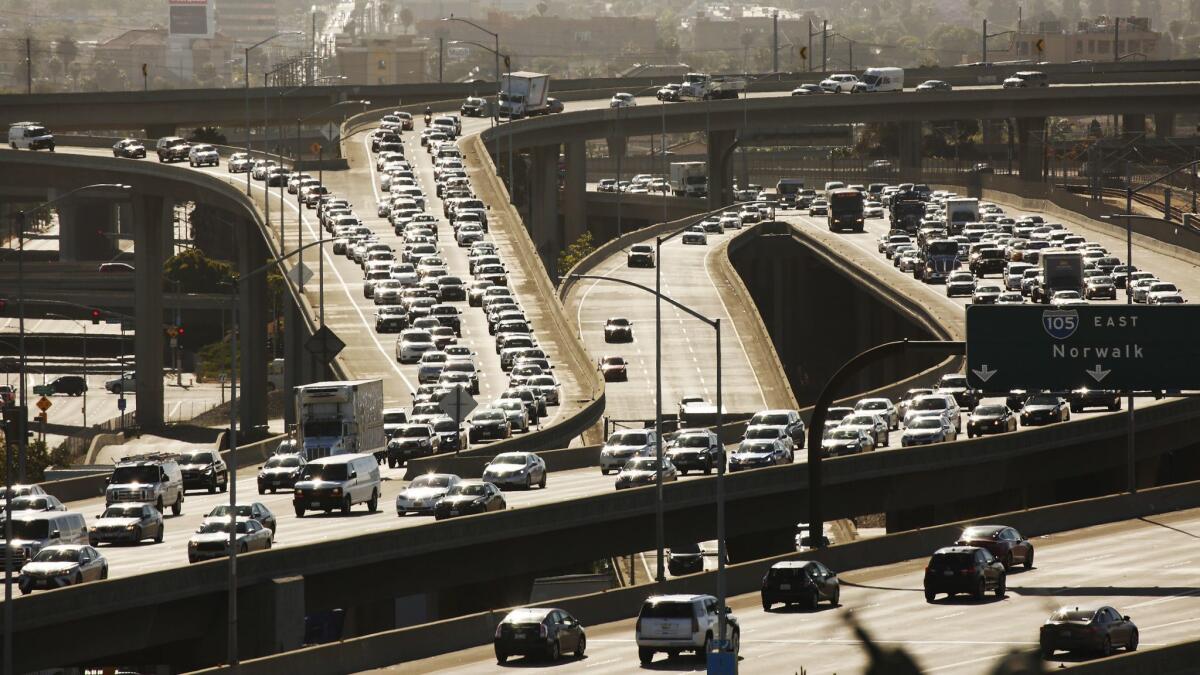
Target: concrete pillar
{"type": "Point", "coordinates": [910, 145]}
{"type": "Point", "coordinates": [720, 146]}
{"type": "Point", "coordinates": [575, 191]}
{"type": "Point", "coordinates": [84, 229]}
{"type": "Point", "coordinates": [157, 131]}
{"type": "Point", "coordinates": [1133, 123]}
{"type": "Point", "coordinates": [168, 229]}
{"type": "Point", "coordinates": [271, 617]}
{"type": "Point", "coordinates": [618, 146]}
{"type": "Point", "coordinates": [148, 298]}
{"type": "Point", "coordinates": [1030, 132]}
{"type": "Point", "coordinates": [300, 366]}
{"type": "Point", "coordinates": [1164, 125]}
{"type": "Point", "coordinates": [543, 206]}
{"type": "Point", "coordinates": [253, 316]}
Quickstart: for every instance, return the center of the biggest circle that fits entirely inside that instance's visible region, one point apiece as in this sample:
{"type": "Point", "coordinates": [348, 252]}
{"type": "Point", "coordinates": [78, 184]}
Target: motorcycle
{"type": "Point", "coordinates": [428, 119]}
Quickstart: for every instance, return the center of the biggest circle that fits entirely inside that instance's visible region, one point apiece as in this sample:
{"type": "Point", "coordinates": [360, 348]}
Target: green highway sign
{"type": "Point", "coordinates": [1117, 347]}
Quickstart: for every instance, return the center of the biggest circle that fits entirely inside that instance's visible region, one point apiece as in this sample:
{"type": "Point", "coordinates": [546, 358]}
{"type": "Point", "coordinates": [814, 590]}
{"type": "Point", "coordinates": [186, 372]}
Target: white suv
{"type": "Point", "coordinates": [935, 404]}
{"type": "Point", "coordinates": [676, 623]}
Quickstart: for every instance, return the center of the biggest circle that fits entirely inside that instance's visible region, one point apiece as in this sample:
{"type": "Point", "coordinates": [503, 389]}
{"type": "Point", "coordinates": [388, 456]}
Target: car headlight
{"type": "Point", "coordinates": [131, 528]}
{"type": "Point", "coordinates": [191, 544]}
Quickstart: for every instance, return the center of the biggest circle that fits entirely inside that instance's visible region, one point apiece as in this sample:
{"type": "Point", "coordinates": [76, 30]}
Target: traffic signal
{"type": "Point", "coordinates": [16, 423]}
{"type": "Point", "coordinates": [179, 331]}
{"type": "Point", "coordinates": [3, 306]}
{"type": "Point", "coordinates": [96, 316]}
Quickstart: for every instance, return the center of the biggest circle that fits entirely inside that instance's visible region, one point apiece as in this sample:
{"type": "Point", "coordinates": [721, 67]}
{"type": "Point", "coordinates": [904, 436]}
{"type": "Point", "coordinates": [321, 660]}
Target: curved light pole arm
{"type": "Point", "coordinates": [651, 291]}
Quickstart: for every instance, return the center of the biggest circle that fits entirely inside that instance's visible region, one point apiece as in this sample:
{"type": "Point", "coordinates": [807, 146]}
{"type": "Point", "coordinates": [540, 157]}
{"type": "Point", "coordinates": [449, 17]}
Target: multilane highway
{"type": "Point", "coordinates": [1145, 568]}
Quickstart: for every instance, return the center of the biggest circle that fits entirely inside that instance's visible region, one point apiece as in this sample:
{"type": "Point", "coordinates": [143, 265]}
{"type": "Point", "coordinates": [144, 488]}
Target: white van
{"type": "Point", "coordinates": [338, 482]}
{"type": "Point", "coordinates": [34, 530]}
{"type": "Point", "coordinates": [30, 136]}
{"type": "Point", "coordinates": [880, 79]}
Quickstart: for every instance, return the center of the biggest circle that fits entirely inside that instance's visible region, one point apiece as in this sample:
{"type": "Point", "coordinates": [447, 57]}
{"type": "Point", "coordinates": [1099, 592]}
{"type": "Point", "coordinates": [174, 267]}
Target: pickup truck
{"type": "Point", "coordinates": [694, 411]}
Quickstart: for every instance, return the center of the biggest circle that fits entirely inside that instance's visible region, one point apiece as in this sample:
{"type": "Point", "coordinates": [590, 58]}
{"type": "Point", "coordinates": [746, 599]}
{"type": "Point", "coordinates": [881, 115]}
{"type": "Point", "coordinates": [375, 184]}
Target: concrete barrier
{"type": "Point", "coordinates": [418, 642]}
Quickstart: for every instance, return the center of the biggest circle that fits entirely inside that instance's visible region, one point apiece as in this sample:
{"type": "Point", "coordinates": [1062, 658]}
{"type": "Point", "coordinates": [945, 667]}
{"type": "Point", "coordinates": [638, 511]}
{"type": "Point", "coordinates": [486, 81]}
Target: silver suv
{"type": "Point", "coordinates": [676, 623]}
{"type": "Point", "coordinates": [152, 478]}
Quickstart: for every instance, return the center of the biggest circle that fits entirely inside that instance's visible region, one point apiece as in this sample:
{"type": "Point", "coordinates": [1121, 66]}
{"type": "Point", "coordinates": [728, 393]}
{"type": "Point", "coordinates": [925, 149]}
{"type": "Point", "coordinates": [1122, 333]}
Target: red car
{"type": "Point", "coordinates": [614, 369]}
{"type": "Point", "coordinates": [1003, 542]}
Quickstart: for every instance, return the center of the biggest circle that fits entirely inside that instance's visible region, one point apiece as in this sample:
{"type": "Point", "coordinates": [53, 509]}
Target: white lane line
{"type": "Point", "coordinates": [736, 334]}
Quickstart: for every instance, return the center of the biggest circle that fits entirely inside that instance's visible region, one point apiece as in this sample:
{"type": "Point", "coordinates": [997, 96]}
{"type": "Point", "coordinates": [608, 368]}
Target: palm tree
{"type": "Point", "coordinates": [406, 18]}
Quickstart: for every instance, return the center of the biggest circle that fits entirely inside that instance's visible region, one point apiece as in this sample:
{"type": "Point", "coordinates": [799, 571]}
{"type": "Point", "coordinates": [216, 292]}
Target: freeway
{"type": "Point", "coordinates": [1143, 567]}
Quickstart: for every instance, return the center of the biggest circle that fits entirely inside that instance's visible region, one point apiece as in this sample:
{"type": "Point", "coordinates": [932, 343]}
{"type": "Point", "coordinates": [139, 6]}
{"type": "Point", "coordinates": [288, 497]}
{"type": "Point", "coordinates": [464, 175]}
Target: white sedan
{"type": "Point", "coordinates": [622, 100]}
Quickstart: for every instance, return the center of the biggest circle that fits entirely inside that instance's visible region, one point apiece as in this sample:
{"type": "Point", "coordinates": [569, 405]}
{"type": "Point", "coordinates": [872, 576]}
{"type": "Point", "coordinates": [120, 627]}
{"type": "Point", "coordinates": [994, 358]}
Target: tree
{"type": "Point", "coordinates": [574, 252]}
{"type": "Point", "coordinates": [406, 18]}
{"type": "Point", "coordinates": [541, 8]}
{"type": "Point", "coordinates": [38, 458]}
{"type": "Point", "coordinates": [207, 135]}
{"type": "Point", "coordinates": [195, 272]}
{"type": "Point", "coordinates": [67, 50]}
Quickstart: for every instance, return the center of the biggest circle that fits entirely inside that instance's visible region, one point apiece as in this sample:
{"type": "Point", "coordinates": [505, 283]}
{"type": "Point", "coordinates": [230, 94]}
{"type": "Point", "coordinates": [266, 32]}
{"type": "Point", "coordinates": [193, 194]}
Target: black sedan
{"type": "Point", "coordinates": [280, 471]}
{"type": "Point", "coordinates": [685, 559]}
{"type": "Point", "coordinates": [539, 632]}
{"type": "Point", "coordinates": [618, 329]}
{"type": "Point", "coordinates": [488, 424]}
{"type": "Point", "coordinates": [934, 85]}
{"type": "Point", "coordinates": [804, 582]}
{"type": "Point", "coordinates": [964, 569]}
{"type": "Point", "coordinates": [1094, 398]}
{"type": "Point", "coordinates": [993, 418]}
{"type": "Point", "coordinates": [1098, 630]}
{"type": "Point", "coordinates": [614, 369]}
{"type": "Point", "coordinates": [469, 497]}
{"type": "Point", "coordinates": [1044, 409]}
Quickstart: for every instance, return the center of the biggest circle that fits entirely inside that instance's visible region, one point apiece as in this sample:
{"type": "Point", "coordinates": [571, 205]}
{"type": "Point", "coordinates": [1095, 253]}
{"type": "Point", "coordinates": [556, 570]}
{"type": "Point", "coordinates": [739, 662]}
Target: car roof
{"type": "Point", "coordinates": [339, 459]}
{"type": "Point", "coordinates": [656, 599]}
{"type": "Point", "coordinates": [957, 549]}
{"type": "Point", "coordinates": [790, 564]}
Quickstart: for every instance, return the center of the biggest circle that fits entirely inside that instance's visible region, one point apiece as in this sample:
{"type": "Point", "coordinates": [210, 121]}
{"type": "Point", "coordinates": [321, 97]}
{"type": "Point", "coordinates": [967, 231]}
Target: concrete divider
{"type": "Point", "coordinates": [418, 642]}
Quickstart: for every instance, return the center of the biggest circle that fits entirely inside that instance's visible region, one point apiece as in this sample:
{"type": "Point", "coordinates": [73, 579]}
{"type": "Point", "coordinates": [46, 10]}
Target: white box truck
{"type": "Point", "coordinates": [689, 179]}
{"type": "Point", "coordinates": [337, 418]}
{"type": "Point", "coordinates": [704, 86]}
{"type": "Point", "coordinates": [959, 212]}
{"type": "Point", "coordinates": [524, 94]}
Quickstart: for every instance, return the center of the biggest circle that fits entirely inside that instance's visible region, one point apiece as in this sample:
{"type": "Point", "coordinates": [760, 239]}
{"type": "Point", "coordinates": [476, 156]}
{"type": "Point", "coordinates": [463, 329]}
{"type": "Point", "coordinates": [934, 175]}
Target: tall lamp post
{"type": "Point", "coordinates": [300, 209]}
{"type": "Point", "coordinates": [19, 225]}
{"type": "Point", "coordinates": [234, 336]}
{"type": "Point", "coordinates": [496, 53]}
{"type": "Point", "coordinates": [246, 81]}
{"type": "Point", "coordinates": [1130, 216]}
{"type": "Point", "coordinates": [83, 326]}
{"type": "Point", "coordinates": [716, 325]}
{"type": "Point", "coordinates": [495, 108]}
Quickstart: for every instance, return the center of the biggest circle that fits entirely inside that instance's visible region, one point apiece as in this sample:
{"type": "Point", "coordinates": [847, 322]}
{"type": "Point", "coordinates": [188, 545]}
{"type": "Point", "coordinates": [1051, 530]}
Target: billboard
{"type": "Point", "coordinates": [190, 17]}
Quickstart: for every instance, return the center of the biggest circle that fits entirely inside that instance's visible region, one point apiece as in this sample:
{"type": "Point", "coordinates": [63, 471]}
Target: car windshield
{"type": "Point", "coordinates": [196, 458]}
{"type": "Point", "coordinates": [55, 554]}
{"type": "Point", "coordinates": [1073, 615]}
{"type": "Point", "coordinates": [666, 610]}
{"type": "Point", "coordinates": [614, 361]}
{"type": "Point", "coordinates": [430, 481]}
{"type": "Point", "coordinates": [322, 428]}
{"type": "Point", "coordinates": [873, 405]}
{"type": "Point", "coordinates": [990, 411]}
{"type": "Point", "coordinates": [221, 526]}
{"type": "Point", "coordinates": [330, 472]}
{"type": "Point", "coordinates": [859, 420]}
{"type": "Point", "coordinates": [692, 441]}
{"type": "Point", "coordinates": [844, 434]}
{"type": "Point", "coordinates": [931, 403]}
{"type": "Point", "coordinates": [925, 423]}
{"type": "Point", "coordinates": [244, 510]}
{"type": "Point", "coordinates": [471, 489]}
{"type": "Point", "coordinates": [122, 512]}
{"type": "Point", "coordinates": [618, 322]}
{"type": "Point", "coordinates": [510, 458]}
{"type": "Point", "coordinates": [761, 433]}
{"type": "Point", "coordinates": [1042, 399]}
{"type": "Point", "coordinates": [771, 419]}
{"type": "Point", "coordinates": [135, 474]}
{"type": "Point", "coordinates": [488, 416]}
{"type": "Point", "coordinates": [642, 464]}
{"type": "Point", "coordinates": [30, 529]}
{"type": "Point", "coordinates": [981, 533]}
{"type": "Point", "coordinates": [952, 560]}
{"type": "Point", "coordinates": [285, 462]}
{"type": "Point", "coordinates": [629, 438]}
{"type": "Point", "coordinates": [29, 504]}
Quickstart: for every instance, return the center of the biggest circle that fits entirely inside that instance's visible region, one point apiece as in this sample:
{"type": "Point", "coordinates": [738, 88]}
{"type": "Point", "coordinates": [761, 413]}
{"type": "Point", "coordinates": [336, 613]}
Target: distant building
{"type": "Point", "coordinates": [1090, 40]}
{"type": "Point", "coordinates": [131, 49]}
{"type": "Point", "coordinates": [656, 70]}
{"type": "Point", "coordinates": [247, 21]}
{"type": "Point", "coordinates": [722, 27]}
{"type": "Point", "coordinates": [380, 59]}
{"type": "Point", "coordinates": [530, 37]}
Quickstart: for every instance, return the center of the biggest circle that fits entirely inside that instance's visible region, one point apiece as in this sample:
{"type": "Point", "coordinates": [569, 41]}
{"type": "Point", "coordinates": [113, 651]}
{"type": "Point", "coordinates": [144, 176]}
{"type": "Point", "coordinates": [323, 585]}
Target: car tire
{"type": "Point", "coordinates": [836, 600]}
{"type": "Point", "coordinates": [1132, 645]}
{"type": "Point", "coordinates": [554, 652]}
{"type": "Point", "coordinates": [1029, 560]}
{"type": "Point", "coordinates": [766, 605]}
{"type": "Point", "coordinates": [980, 589]}
{"type": "Point", "coordinates": [159, 504]}
{"type": "Point", "coordinates": [262, 490]}
{"type": "Point", "coordinates": [702, 652]}
{"type": "Point", "coordinates": [139, 535]}
{"type": "Point", "coordinates": [177, 507]}
{"type": "Point", "coordinates": [158, 536]}
{"type": "Point", "coordinates": [1002, 586]}
{"type": "Point", "coordinates": [212, 487]}
{"type": "Point", "coordinates": [1106, 649]}
{"type": "Point", "coordinates": [581, 647]}
{"type": "Point", "coordinates": [299, 512]}
{"type": "Point", "coordinates": [645, 655]}
{"type": "Point", "coordinates": [373, 504]}
{"type": "Point", "coordinates": [542, 482]}
{"type": "Point", "coordinates": [708, 467]}
{"type": "Point", "coordinates": [501, 657]}
{"type": "Point", "coordinates": [345, 507]}
{"type": "Point", "coordinates": [603, 471]}
{"type": "Point", "coordinates": [1047, 653]}
{"type": "Point", "coordinates": [1007, 561]}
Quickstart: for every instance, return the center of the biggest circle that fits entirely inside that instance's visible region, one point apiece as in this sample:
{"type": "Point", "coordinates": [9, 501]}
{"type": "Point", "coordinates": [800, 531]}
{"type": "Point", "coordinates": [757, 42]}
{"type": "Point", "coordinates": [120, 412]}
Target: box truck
{"type": "Point", "coordinates": [689, 179]}
{"type": "Point", "coordinates": [704, 86]}
{"type": "Point", "coordinates": [959, 212]}
{"type": "Point", "coordinates": [524, 94]}
{"type": "Point", "coordinates": [341, 417]}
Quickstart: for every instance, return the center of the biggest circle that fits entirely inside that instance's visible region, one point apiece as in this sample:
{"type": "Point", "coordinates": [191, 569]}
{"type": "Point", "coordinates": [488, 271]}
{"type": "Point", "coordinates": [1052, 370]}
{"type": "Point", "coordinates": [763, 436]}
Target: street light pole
{"type": "Point", "coordinates": [246, 82]}
{"type": "Point", "coordinates": [495, 108]}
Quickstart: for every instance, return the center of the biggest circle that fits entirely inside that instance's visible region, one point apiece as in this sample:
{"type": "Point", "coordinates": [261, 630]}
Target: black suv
{"type": "Point", "coordinates": [805, 582]}
{"type": "Point", "coordinates": [964, 569]}
{"type": "Point", "coordinates": [204, 469]}
{"type": "Point", "coordinates": [686, 559]}
{"type": "Point", "coordinates": [1094, 398]}
{"type": "Point", "coordinates": [71, 385]}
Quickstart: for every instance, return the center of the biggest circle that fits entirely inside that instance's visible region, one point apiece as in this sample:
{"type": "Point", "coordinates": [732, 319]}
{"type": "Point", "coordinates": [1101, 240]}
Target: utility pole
{"type": "Point", "coordinates": [1116, 36]}
{"type": "Point", "coordinates": [983, 43]}
{"type": "Point", "coordinates": [312, 49]}
{"type": "Point", "coordinates": [851, 47]}
{"type": "Point", "coordinates": [824, 43]}
{"type": "Point", "coordinates": [775, 42]}
{"type": "Point", "coordinates": [808, 61]}
{"type": "Point", "coordinates": [28, 65]}
{"type": "Point", "coordinates": [441, 56]}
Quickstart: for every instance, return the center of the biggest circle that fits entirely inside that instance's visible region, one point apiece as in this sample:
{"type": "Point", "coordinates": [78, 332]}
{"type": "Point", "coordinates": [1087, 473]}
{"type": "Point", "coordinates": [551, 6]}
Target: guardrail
{"type": "Point", "coordinates": [418, 642]}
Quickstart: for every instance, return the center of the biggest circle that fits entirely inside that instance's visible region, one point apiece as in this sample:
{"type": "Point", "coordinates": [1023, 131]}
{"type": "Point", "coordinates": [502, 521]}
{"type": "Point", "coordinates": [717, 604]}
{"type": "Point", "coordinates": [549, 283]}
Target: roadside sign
{"type": "Point", "coordinates": [299, 275]}
{"type": "Point", "coordinates": [121, 403]}
{"type": "Point", "coordinates": [1116, 347]}
{"type": "Point", "coordinates": [330, 131]}
{"type": "Point", "coordinates": [324, 342]}
{"type": "Point", "coordinates": [458, 403]}
{"type": "Point", "coordinates": [44, 404]}
{"type": "Point", "coordinates": [315, 148]}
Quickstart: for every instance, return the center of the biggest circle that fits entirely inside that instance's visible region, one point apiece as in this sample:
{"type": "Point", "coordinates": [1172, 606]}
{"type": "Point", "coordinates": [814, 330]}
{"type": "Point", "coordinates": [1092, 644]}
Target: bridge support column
{"type": "Point", "coordinates": [1133, 124]}
{"type": "Point", "coordinates": [252, 318]}
{"type": "Point", "coordinates": [910, 145]}
{"type": "Point", "coordinates": [1031, 132]}
{"type": "Point", "coordinates": [271, 617]}
{"type": "Point", "coordinates": [148, 314]}
{"type": "Point", "coordinates": [720, 152]}
{"type": "Point", "coordinates": [300, 367]}
{"type": "Point", "coordinates": [618, 146]}
{"type": "Point", "coordinates": [1164, 125]}
{"type": "Point", "coordinates": [84, 226]}
{"type": "Point", "coordinates": [575, 192]}
{"type": "Point", "coordinates": [156, 131]}
{"type": "Point", "coordinates": [543, 206]}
